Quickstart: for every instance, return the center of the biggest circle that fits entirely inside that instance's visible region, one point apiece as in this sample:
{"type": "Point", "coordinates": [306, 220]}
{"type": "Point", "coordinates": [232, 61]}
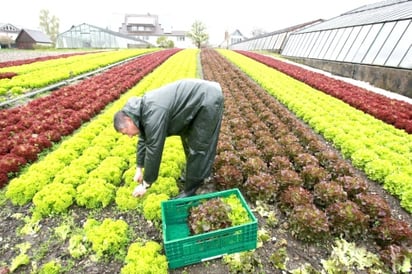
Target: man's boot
{"type": "Point", "coordinates": [189, 191]}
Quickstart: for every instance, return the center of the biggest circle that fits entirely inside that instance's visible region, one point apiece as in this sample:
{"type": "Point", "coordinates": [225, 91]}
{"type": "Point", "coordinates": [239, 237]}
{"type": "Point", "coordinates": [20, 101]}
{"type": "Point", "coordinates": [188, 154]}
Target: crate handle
{"type": "Point", "coordinates": [213, 257]}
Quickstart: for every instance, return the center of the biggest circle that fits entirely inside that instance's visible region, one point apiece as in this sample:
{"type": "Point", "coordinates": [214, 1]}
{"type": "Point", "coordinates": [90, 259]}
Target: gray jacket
{"type": "Point", "coordinates": [167, 111]}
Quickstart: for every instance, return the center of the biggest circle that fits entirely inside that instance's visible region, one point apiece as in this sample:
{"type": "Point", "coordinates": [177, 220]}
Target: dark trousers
{"type": "Point", "coordinates": [200, 140]}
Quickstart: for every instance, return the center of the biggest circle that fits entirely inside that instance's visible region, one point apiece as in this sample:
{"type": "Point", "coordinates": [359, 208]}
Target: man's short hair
{"type": "Point", "coordinates": [119, 121]}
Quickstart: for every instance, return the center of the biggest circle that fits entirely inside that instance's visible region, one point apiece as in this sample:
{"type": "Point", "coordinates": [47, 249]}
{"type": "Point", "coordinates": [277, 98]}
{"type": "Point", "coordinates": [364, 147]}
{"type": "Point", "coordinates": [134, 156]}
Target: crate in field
{"type": "Point", "coordinates": [183, 249]}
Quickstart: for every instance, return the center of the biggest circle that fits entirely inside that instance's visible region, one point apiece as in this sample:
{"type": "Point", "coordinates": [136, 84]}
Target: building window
{"type": "Point", "coordinates": [9, 28]}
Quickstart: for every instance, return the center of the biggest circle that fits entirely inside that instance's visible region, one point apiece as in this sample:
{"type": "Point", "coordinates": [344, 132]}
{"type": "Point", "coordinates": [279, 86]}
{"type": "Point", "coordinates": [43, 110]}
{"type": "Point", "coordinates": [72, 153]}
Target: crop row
{"type": "Point", "coordinates": [391, 111]}
{"type": "Point", "coordinates": [75, 158]}
{"type": "Point", "coordinates": [28, 130]}
{"type": "Point", "coordinates": [39, 74]}
{"type": "Point", "coordinates": [269, 154]}
{"type": "Point", "coordinates": [37, 59]}
{"type": "Point", "coordinates": [94, 168]}
{"type": "Point", "coordinates": [383, 152]}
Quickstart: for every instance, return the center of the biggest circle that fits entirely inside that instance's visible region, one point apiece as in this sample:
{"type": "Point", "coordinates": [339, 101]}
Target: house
{"type": "Point", "coordinates": [8, 34]}
{"type": "Point", "coordinates": [147, 27]}
{"type": "Point", "coordinates": [236, 37]}
{"type": "Point", "coordinates": [29, 39]}
{"type": "Point", "coordinates": [233, 38]}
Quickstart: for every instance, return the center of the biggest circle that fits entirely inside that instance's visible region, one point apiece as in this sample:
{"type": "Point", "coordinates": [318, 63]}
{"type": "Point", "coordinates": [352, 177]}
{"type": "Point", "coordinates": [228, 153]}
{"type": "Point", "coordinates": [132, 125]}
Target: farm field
{"type": "Point", "coordinates": [21, 77]}
{"type": "Point", "coordinates": [7, 55]}
{"type": "Point", "coordinates": [298, 177]}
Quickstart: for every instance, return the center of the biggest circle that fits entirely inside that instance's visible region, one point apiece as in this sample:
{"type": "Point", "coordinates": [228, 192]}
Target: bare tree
{"type": "Point", "coordinates": [258, 32]}
{"type": "Point", "coordinates": [49, 24]}
{"type": "Point", "coordinates": [198, 34]}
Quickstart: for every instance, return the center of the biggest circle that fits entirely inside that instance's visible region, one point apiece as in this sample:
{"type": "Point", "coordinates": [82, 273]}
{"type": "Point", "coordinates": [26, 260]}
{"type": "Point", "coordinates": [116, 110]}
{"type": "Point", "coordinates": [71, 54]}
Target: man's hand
{"type": "Point", "coordinates": [140, 190]}
{"type": "Point", "coordinates": [138, 176]}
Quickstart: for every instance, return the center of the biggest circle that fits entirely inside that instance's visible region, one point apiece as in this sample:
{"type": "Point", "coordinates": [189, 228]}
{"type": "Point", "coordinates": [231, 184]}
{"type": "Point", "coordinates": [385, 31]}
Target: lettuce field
{"type": "Point", "coordinates": [325, 166]}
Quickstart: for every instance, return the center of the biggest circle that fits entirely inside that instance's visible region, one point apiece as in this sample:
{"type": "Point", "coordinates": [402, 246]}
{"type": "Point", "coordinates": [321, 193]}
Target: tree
{"type": "Point", "coordinates": [258, 32]}
{"type": "Point", "coordinates": [6, 41]}
{"type": "Point", "coordinates": [198, 34]}
{"type": "Point", "coordinates": [163, 42]}
{"type": "Point", "coordinates": [49, 24]}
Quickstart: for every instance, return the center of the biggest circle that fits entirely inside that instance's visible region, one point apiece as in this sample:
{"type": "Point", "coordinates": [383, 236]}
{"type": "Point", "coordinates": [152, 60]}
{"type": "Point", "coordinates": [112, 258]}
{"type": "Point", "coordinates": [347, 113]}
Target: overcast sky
{"type": "Point", "coordinates": [217, 15]}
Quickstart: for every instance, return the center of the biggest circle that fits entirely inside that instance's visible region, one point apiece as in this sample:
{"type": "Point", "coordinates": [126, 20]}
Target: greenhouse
{"type": "Point", "coordinates": [371, 43]}
{"type": "Point", "coordinates": [273, 41]}
{"type": "Point", "coordinates": [378, 34]}
{"type": "Point", "coordinates": [88, 36]}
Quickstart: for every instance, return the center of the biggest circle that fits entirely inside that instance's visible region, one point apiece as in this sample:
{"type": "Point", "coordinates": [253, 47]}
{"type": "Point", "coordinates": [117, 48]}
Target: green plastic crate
{"type": "Point", "coordinates": [183, 249]}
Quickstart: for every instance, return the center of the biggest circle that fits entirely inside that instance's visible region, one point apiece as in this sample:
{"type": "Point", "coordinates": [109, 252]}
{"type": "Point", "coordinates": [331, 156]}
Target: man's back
{"type": "Point", "coordinates": [180, 101]}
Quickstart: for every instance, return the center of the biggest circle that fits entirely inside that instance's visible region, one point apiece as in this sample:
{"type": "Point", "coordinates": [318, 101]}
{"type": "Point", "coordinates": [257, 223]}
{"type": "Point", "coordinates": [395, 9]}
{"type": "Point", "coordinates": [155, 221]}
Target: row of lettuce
{"type": "Point", "coordinates": [272, 156]}
{"type": "Point", "coordinates": [26, 77]}
{"type": "Point", "coordinates": [27, 130]}
{"type": "Point", "coordinates": [94, 168]}
{"type": "Point", "coordinates": [49, 56]}
{"type": "Point", "coordinates": [392, 111]}
{"type": "Point", "coordinates": [382, 151]}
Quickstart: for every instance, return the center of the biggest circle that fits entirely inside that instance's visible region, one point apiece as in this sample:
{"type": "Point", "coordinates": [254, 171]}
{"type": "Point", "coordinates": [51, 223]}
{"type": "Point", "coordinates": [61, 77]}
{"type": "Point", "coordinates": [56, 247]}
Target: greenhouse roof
{"type": "Point", "coordinates": [389, 10]}
{"type": "Point", "coordinates": [88, 26]}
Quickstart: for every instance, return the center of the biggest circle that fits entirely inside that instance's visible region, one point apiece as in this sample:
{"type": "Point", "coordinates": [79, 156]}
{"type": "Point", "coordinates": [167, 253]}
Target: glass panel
{"type": "Point", "coordinates": [377, 44]}
{"type": "Point", "coordinates": [303, 45]}
{"type": "Point", "coordinates": [262, 43]}
{"type": "Point", "coordinates": [343, 36]}
{"type": "Point", "coordinates": [335, 39]}
{"type": "Point", "coordinates": [254, 44]}
{"type": "Point", "coordinates": [296, 44]}
{"type": "Point", "coordinates": [311, 40]}
{"type": "Point", "coordinates": [357, 43]}
{"type": "Point", "coordinates": [325, 44]}
{"type": "Point", "coordinates": [391, 42]}
{"type": "Point", "coordinates": [273, 41]}
{"type": "Point", "coordinates": [282, 38]}
{"type": "Point", "coordinates": [367, 42]}
{"type": "Point", "coordinates": [331, 35]}
{"type": "Point", "coordinates": [289, 45]}
{"type": "Point", "coordinates": [318, 44]}
{"type": "Point", "coordinates": [313, 44]}
{"type": "Point", "coordinates": [267, 42]}
{"type": "Point", "coordinates": [277, 43]}
{"type": "Point", "coordinates": [259, 44]}
{"type": "Point", "coordinates": [401, 48]}
{"type": "Point", "coordinates": [348, 44]}
{"type": "Point", "coordinates": [286, 49]}
{"type": "Point", "coordinates": [407, 60]}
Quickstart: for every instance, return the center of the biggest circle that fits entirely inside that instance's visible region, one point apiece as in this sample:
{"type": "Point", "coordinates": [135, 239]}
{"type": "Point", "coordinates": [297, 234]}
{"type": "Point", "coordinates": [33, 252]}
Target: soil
{"type": "Point", "coordinates": [46, 246]}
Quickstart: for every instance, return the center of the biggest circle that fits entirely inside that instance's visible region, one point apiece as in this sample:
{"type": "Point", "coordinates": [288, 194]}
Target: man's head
{"type": "Point", "coordinates": [124, 124]}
